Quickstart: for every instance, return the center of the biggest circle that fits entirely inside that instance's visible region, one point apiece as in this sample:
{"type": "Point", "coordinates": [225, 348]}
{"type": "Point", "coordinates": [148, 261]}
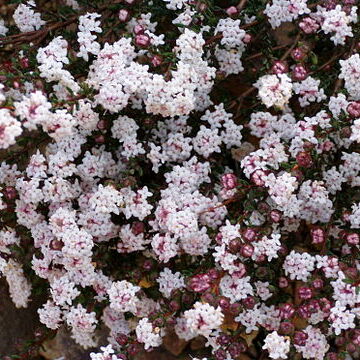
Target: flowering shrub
{"type": "Point", "coordinates": [175, 168]}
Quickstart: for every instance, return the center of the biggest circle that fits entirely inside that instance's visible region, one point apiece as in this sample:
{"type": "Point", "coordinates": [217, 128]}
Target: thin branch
{"type": "Point", "coordinates": [254, 56]}
{"type": "Point", "coordinates": [293, 46]}
{"type": "Point", "coordinates": [322, 67]}
{"type": "Point", "coordinates": [241, 5]}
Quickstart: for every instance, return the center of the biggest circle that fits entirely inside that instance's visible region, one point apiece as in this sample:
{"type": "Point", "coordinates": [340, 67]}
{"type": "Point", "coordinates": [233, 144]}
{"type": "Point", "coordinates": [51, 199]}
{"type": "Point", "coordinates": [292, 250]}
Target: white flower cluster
{"type": "Point", "coordinates": [299, 266]}
{"type": "Point", "coordinates": [203, 318]}
{"type": "Point", "coordinates": [169, 281]}
{"type": "Point", "coordinates": [10, 128]}
{"type": "Point", "coordinates": [351, 74]}
{"type": "Point", "coordinates": [87, 25]}
{"type": "Point", "coordinates": [147, 335]}
{"type": "Point", "coordinates": [26, 19]}
{"type": "Point", "coordinates": [275, 90]}
{"type": "Point", "coordinates": [337, 21]}
{"type": "Point", "coordinates": [19, 286]}
{"type": "Point", "coordinates": [277, 345]}
{"type": "Point", "coordinates": [122, 296]}
{"type": "Point", "coordinates": [51, 59]}
{"type": "Point", "coordinates": [280, 11]}
{"type": "Point", "coordinates": [234, 44]}
{"type": "Point", "coordinates": [236, 288]}
{"type": "Point", "coordinates": [309, 91]}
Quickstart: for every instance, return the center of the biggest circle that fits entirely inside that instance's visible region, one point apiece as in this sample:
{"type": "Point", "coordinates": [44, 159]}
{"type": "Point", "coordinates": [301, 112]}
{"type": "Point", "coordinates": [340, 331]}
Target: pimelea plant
{"type": "Point", "coordinates": [173, 168]}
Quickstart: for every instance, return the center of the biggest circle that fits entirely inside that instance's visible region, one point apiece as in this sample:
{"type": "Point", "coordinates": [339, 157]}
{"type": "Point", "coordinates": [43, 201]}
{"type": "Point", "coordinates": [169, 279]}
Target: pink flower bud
{"type": "Point", "coordinates": [353, 238]}
{"type": "Point", "coordinates": [258, 177]}
{"type": "Point", "coordinates": [137, 227]}
{"type": "Point", "coordinates": [304, 159]}
{"type": "Point", "coordinates": [298, 54]}
{"type": "Point", "coordinates": [298, 174]}
{"type": "Point", "coordinates": [24, 61]}
{"type": "Point", "coordinates": [232, 10]}
{"type": "Point", "coordinates": [249, 234]}
{"type": "Point", "coordinates": [213, 274]}
{"type": "Point", "coordinates": [235, 350]}
{"type": "Point", "coordinates": [56, 244]}
{"type": "Point", "coordinates": [229, 181]}
{"type": "Point", "coordinates": [356, 337]}
{"type": "Point", "coordinates": [340, 340]}
{"type": "Point", "coordinates": [241, 272]}
{"type": "Point", "coordinates": [10, 192]}
{"type": "Point", "coordinates": [283, 251]}
{"type": "Point", "coordinates": [142, 40]}
{"type": "Point", "coordinates": [345, 132]}
{"type": "Point", "coordinates": [279, 67]}
{"type": "Point", "coordinates": [223, 339]}
{"type": "Point", "coordinates": [326, 146]}
{"type": "Point", "coordinates": [147, 265]}
{"type": "Point", "coordinates": [199, 283]}
{"type": "Point", "coordinates": [275, 216]}
{"type": "Point", "coordinates": [313, 306]}
{"type": "Point", "coordinates": [317, 235]}
{"type": "Point", "coordinates": [305, 293]}
{"type": "Point", "coordinates": [224, 303]}
{"type": "Point", "coordinates": [345, 250]}
{"type": "Point", "coordinates": [174, 305]}
{"type": "Point", "coordinates": [235, 308]}
{"type": "Point", "coordinates": [260, 259]}
{"type": "Point", "coordinates": [99, 139]}
{"type": "Point", "coordinates": [124, 15]}
{"type": "Point", "coordinates": [299, 72]}
{"type": "Point", "coordinates": [263, 207]}
{"type": "Point", "coordinates": [249, 302]}
{"type": "Point", "coordinates": [351, 272]}
{"type": "Point", "coordinates": [303, 311]}
{"type": "Point", "coordinates": [220, 354]}
{"type": "Point", "coordinates": [138, 29]}
{"type": "Point", "coordinates": [101, 125]}
{"type": "Point", "coordinates": [287, 311]}
{"type": "Point", "coordinates": [300, 338]}
{"type": "Point", "coordinates": [209, 298]}
{"type": "Point", "coordinates": [350, 348]}
{"type": "Point", "coordinates": [234, 246]}
{"type": "Point", "coordinates": [247, 39]}
{"type": "Point", "coordinates": [122, 339]}
{"type": "Point", "coordinates": [331, 356]}
{"type": "Point", "coordinates": [247, 250]}
{"type": "Point", "coordinates": [354, 109]}
{"type": "Point", "coordinates": [283, 282]}
{"type": "Point", "coordinates": [156, 60]}
{"type": "Point", "coordinates": [318, 283]}
{"type": "Point", "coordinates": [286, 328]}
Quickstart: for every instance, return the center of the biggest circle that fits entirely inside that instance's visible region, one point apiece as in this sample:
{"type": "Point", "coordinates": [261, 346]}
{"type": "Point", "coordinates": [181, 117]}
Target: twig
{"type": "Point", "coordinates": [241, 5]}
{"type": "Point", "coordinates": [327, 63]}
{"type": "Point", "coordinates": [288, 52]}
{"type": "Point", "coordinates": [249, 25]}
{"type": "Point", "coordinates": [33, 35]}
{"type": "Point", "coordinates": [254, 56]}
